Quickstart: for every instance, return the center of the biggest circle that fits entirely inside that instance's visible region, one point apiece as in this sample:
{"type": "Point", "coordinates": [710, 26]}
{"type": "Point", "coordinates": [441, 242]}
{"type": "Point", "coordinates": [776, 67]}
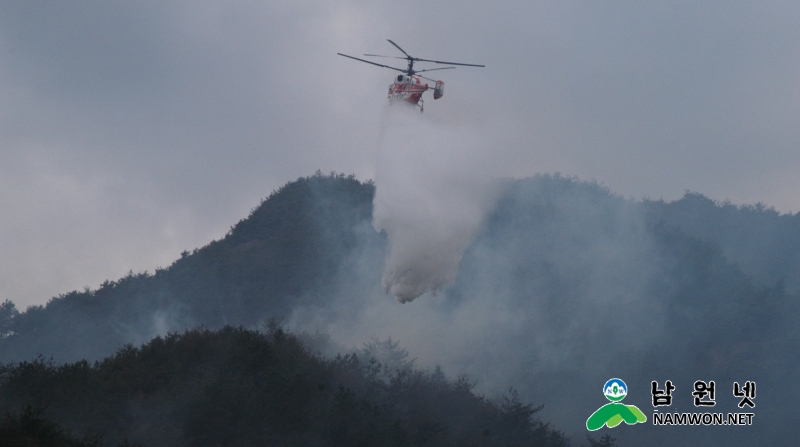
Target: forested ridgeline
{"type": "Point", "coordinates": [290, 251]}
{"type": "Point", "coordinates": [564, 286]}
{"type": "Point", "coordinates": [243, 387]}
{"type": "Point", "coordinates": [763, 242]}
{"type": "Point", "coordinates": [283, 254]}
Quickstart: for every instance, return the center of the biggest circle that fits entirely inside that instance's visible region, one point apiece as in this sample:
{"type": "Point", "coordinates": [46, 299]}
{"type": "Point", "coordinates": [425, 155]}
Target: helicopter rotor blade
{"type": "Point", "coordinates": [370, 62]}
{"type": "Point", "coordinates": [450, 63]}
{"type": "Point", "coordinates": [432, 69]}
{"type": "Point", "coordinates": [398, 47]}
{"type": "Point", "coordinates": [380, 55]}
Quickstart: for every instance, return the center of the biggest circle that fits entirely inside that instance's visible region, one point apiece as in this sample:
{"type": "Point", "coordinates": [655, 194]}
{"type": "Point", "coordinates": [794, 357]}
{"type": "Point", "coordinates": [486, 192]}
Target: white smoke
{"type": "Point", "coordinates": [432, 192]}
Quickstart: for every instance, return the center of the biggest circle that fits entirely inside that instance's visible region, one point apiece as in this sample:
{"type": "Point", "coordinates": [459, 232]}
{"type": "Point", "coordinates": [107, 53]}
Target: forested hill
{"type": "Point", "coordinates": [283, 254]}
{"type": "Point", "coordinates": [297, 246]}
{"type": "Point", "coordinates": [564, 286]}
{"type": "Point", "coordinates": [763, 242]}
{"type": "Point", "coordinates": [236, 387]}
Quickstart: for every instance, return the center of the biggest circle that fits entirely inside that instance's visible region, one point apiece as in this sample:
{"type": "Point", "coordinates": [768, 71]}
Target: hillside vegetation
{"type": "Point", "coordinates": [565, 286]}
{"type": "Point", "coordinates": [281, 255]}
{"type": "Point", "coordinates": [239, 387]}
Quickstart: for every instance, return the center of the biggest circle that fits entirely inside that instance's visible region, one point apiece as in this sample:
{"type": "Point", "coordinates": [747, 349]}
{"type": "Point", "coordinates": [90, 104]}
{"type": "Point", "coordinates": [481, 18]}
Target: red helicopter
{"type": "Point", "coordinates": [408, 86]}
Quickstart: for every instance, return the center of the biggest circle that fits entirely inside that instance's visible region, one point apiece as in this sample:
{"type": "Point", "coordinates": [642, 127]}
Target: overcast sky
{"type": "Point", "coordinates": [130, 131]}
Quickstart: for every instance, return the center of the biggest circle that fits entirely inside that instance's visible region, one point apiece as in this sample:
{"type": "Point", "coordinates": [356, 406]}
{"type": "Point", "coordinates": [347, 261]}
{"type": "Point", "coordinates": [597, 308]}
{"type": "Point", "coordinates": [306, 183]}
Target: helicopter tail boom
{"type": "Point", "coordinates": [438, 90]}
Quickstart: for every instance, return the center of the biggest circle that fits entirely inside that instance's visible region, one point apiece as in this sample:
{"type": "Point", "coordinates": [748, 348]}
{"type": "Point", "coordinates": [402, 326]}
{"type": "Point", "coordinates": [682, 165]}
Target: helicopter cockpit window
{"type": "Point", "coordinates": [399, 78]}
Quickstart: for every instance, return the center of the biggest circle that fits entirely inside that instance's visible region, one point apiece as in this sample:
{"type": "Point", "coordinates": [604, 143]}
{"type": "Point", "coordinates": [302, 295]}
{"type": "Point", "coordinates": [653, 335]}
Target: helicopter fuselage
{"type": "Point", "coordinates": [410, 88]}
{"type": "Point", "coordinates": [407, 88]}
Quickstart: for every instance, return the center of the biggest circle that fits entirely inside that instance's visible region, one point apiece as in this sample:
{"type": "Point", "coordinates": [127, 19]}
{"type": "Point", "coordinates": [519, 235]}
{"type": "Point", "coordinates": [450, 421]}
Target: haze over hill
{"type": "Point", "coordinates": [564, 286]}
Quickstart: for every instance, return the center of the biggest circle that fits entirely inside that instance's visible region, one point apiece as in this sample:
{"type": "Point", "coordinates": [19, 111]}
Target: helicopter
{"type": "Point", "coordinates": [408, 86]}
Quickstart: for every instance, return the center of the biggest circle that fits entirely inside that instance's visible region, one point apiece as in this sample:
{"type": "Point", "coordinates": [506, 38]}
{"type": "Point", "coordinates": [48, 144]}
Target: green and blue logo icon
{"type": "Point", "coordinates": [614, 412]}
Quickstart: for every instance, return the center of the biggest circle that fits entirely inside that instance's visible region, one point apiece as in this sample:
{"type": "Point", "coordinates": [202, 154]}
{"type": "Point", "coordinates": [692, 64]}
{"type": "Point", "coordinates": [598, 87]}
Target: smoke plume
{"type": "Point", "coordinates": [432, 192]}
